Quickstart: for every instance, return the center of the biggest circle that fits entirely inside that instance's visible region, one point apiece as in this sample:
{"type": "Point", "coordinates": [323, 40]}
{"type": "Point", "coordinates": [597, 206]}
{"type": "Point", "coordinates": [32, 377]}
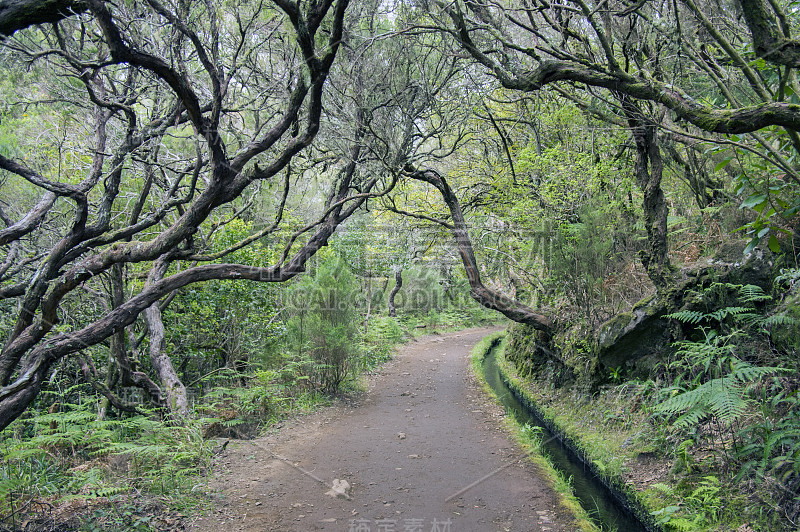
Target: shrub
{"type": "Point", "coordinates": [325, 323]}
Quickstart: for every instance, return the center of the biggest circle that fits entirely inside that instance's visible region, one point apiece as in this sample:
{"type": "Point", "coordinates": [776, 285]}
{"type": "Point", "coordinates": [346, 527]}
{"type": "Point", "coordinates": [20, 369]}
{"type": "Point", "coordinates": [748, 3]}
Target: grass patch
{"type": "Point", "coordinates": [604, 427]}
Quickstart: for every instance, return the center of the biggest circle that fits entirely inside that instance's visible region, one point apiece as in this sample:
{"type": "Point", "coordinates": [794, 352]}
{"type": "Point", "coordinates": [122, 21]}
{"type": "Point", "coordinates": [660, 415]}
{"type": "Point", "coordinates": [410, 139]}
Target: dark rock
{"type": "Point", "coordinates": [634, 335]}
{"type": "Point", "coordinates": [639, 339]}
{"type": "Point", "coordinates": [532, 354]}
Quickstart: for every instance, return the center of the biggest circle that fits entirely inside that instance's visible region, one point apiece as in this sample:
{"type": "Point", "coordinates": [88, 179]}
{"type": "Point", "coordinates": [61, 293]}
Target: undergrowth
{"type": "Point", "coordinates": [711, 440]}
{"type": "Point", "coordinates": [734, 415]}
{"type": "Point", "coordinates": [75, 469]}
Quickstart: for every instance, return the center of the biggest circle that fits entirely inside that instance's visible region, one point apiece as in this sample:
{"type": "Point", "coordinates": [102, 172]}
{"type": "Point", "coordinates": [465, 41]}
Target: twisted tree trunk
{"type": "Point", "coordinates": [171, 385]}
{"type": "Point", "coordinates": [514, 310]}
{"type": "Point", "coordinates": [649, 168]}
{"type": "Point", "coordinates": [398, 277]}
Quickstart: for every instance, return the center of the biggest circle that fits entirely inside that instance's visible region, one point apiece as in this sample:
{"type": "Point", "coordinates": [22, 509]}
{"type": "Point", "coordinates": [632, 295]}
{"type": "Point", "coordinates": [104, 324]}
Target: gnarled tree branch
{"type": "Point", "coordinates": [19, 14]}
{"type": "Point", "coordinates": [491, 299]}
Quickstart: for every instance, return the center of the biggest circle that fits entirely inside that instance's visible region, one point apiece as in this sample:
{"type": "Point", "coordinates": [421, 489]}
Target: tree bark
{"type": "Point", "coordinates": [175, 392]}
{"type": "Point", "coordinates": [491, 299]}
{"type": "Point", "coordinates": [91, 376]}
{"type": "Point", "coordinates": [649, 168]}
{"type": "Point", "coordinates": [770, 38]}
{"type": "Point", "coordinates": [398, 284]}
{"type": "Point", "coordinates": [28, 222]}
{"type": "Point", "coordinates": [19, 14]}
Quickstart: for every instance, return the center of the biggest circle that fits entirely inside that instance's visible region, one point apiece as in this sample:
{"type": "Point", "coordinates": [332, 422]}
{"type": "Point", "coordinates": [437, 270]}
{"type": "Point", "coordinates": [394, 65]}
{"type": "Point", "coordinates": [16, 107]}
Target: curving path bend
{"type": "Point", "coordinates": [422, 451]}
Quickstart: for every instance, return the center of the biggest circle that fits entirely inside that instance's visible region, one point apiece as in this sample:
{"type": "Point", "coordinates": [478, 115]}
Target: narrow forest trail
{"type": "Point", "coordinates": [423, 450]}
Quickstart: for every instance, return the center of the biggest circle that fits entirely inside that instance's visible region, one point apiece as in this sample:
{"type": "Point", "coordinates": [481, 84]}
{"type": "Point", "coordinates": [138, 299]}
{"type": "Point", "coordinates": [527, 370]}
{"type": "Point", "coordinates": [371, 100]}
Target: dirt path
{"type": "Point", "coordinates": [422, 451]}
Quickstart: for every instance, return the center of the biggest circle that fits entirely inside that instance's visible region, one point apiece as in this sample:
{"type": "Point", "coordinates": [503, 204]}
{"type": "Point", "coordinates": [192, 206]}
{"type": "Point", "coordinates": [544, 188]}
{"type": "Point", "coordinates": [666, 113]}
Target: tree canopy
{"type": "Point", "coordinates": [135, 134]}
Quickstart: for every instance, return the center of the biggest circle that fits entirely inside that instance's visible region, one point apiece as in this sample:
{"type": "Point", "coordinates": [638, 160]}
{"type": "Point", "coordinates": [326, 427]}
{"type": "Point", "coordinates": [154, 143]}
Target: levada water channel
{"type": "Point", "coordinates": [607, 507]}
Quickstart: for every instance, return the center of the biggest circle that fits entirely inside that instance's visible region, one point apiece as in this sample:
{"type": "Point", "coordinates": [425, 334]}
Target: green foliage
{"type": "Point", "coordinates": [381, 335]}
{"type": "Point", "coordinates": [616, 375]}
{"type": "Point", "coordinates": [229, 324]}
{"type": "Point", "coordinates": [723, 398]}
{"type": "Point", "coordinates": [770, 197]}
{"type": "Point", "coordinates": [65, 455]}
{"type": "Point", "coordinates": [714, 390]}
{"type": "Point", "coordinates": [422, 293]}
{"type": "Point", "coordinates": [266, 396]}
{"type": "Point", "coordinates": [710, 380]}
{"type": "Point", "coordinates": [769, 448]}
{"type": "Point", "coordinates": [534, 435]}
{"type": "Point", "coordinates": [701, 507]}
{"type": "Point", "coordinates": [370, 246]}
{"type": "Point", "coordinates": [325, 324]}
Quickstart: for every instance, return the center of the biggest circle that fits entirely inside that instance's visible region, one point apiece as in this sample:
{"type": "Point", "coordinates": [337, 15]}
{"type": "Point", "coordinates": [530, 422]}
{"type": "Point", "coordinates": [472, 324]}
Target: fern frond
{"type": "Point", "coordinates": [72, 416]}
{"type": "Point", "coordinates": [751, 293]}
{"type": "Point", "coordinates": [686, 316]}
{"type": "Point", "coordinates": [726, 400]}
{"type": "Point", "coordinates": [779, 319]}
{"type": "Point", "coordinates": [24, 453]}
{"type": "Point", "coordinates": [723, 313]}
{"type": "Point", "coordinates": [750, 319]}
{"type": "Point", "coordinates": [110, 491]}
{"type": "Point", "coordinates": [692, 417]}
{"type": "Point", "coordinates": [682, 524]}
{"type": "Point", "coordinates": [663, 488]}
{"type": "Point", "coordinates": [701, 350]}
{"type": "Point", "coordinates": [744, 372]}
{"type": "Point", "coordinates": [723, 397]}
{"type": "Point", "coordinates": [681, 402]}
{"type": "Point", "coordinates": [13, 484]}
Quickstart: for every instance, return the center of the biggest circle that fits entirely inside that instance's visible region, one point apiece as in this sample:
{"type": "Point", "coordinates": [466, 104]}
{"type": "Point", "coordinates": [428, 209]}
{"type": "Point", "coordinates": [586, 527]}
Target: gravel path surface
{"type": "Point", "coordinates": [422, 451]}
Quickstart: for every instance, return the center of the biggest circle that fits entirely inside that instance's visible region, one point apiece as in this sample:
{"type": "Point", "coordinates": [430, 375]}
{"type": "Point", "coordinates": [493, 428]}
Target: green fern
{"type": "Point", "coordinates": [721, 314]}
{"type": "Point", "coordinates": [779, 319]}
{"type": "Point", "coordinates": [751, 293]}
{"type": "Point", "coordinates": [12, 484]}
{"type": "Point", "coordinates": [686, 316]}
{"type": "Point", "coordinates": [110, 491]}
{"type": "Point", "coordinates": [715, 381]}
{"type": "Point", "coordinates": [163, 458]}
{"type": "Point", "coordinates": [747, 295]}
{"type": "Point", "coordinates": [681, 524]}
{"type": "Point", "coordinates": [666, 489]}
{"type": "Point", "coordinates": [722, 397]}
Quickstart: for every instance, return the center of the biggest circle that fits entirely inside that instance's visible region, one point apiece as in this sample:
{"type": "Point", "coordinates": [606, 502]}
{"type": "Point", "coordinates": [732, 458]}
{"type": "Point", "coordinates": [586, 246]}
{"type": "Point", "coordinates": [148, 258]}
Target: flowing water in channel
{"type": "Point", "coordinates": [593, 495]}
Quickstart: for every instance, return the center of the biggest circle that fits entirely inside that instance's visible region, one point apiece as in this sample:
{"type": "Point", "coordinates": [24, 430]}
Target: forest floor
{"type": "Point", "coordinates": [422, 449]}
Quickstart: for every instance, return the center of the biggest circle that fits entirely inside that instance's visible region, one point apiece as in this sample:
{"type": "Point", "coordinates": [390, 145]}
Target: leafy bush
{"type": "Point", "coordinates": [325, 324]}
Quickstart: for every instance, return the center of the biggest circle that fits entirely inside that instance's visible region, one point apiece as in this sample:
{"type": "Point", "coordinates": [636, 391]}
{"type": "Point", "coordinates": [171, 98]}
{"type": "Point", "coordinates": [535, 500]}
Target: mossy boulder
{"type": "Point", "coordinates": [639, 334]}
{"type": "Point", "coordinates": [533, 354]}
{"type": "Point", "coordinates": [639, 339]}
